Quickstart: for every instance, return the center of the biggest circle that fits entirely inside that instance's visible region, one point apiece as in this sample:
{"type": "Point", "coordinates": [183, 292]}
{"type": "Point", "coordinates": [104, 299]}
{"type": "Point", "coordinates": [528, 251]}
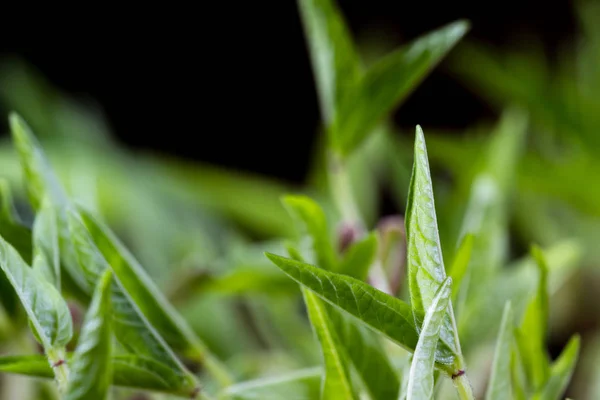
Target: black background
{"type": "Point", "coordinates": [230, 82]}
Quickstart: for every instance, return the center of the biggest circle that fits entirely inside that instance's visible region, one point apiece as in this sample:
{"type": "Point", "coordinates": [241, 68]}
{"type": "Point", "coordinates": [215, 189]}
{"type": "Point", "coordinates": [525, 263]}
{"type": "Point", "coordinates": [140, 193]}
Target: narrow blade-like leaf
{"type": "Point", "coordinates": [337, 383]}
{"type": "Point", "coordinates": [91, 367]}
{"type": "Point", "coordinates": [335, 62]}
{"type": "Point", "coordinates": [384, 313]}
{"type": "Point", "coordinates": [561, 371]}
{"type": "Point", "coordinates": [46, 255]}
{"type": "Point", "coordinates": [424, 253]}
{"type": "Point", "coordinates": [421, 376]}
{"type": "Point", "coordinates": [11, 226]}
{"type": "Point", "coordinates": [461, 263]}
{"type": "Point", "coordinates": [312, 217]}
{"type": "Point", "coordinates": [146, 296]}
{"type": "Point", "coordinates": [531, 335]}
{"type": "Point", "coordinates": [500, 387]}
{"type": "Point", "coordinates": [388, 83]}
{"type": "Point", "coordinates": [47, 311]}
{"type": "Point", "coordinates": [39, 176]}
{"type": "Point", "coordinates": [131, 328]}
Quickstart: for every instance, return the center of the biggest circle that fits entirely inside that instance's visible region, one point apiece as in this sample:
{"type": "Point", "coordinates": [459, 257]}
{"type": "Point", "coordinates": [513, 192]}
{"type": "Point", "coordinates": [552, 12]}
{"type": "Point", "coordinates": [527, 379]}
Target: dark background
{"type": "Point", "coordinates": [230, 83]}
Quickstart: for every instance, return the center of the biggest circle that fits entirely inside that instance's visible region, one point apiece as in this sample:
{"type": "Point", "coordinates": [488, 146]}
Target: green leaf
{"type": "Point", "coordinates": [39, 176]}
{"type": "Point", "coordinates": [148, 299]}
{"type": "Point", "coordinates": [359, 257]}
{"type": "Point", "coordinates": [91, 367]}
{"type": "Point", "coordinates": [362, 346]}
{"type": "Point", "coordinates": [11, 226]}
{"type": "Point", "coordinates": [128, 371]}
{"type": "Point", "coordinates": [313, 219]}
{"type": "Point", "coordinates": [366, 352]}
{"type": "Point", "coordinates": [130, 326]}
{"type": "Point", "coordinates": [46, 255]}
{"type": "Point", "coordinates": [383, 313]}
{"type": "Point", "coordinates": [426, 269]}
{"type": "Point", "coordinates": [461, 263]}
{"type": "Point", "coordinates": [335, 63]}
{"type": "Point", "coordinates": [301, 385]}
{"type": "Point", "coordinates": [561, 371]}
{"type": "Point", "coordinates": [48, 313]}
{"type": "Point", "coordinates": [388, 83]}
{"type": "Point", "coordinates": [531, 335]}
{"type": "Point", "coordinates": [500, 387]}
{"type": "Point", "coordinates": [421, 376]}
{"type": "Point", "coordinates": [337, 383]}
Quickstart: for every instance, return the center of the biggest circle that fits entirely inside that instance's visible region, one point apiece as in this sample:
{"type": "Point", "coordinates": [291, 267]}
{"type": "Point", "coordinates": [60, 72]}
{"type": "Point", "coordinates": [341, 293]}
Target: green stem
{"type": "Point", "coordinates": [341, 191]}
{"type": "Point", "coordinates": [463, 387]}
{"type": "Point", "coordinates": [57, 358]}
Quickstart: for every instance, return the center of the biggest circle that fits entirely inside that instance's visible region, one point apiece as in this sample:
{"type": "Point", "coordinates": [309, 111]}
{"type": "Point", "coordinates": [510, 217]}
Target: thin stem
{"type": "Point", "coordinates": [341, 191]}
{"type": "Point", "coordinates": [57, 359]}
{"type": "Point", "coordinates": [463, 387]}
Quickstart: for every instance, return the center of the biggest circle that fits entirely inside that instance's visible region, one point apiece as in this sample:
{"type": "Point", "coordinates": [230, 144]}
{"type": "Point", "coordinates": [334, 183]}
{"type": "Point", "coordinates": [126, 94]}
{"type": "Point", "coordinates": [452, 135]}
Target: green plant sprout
{"type": "Point", "coordinates": [127, 287]}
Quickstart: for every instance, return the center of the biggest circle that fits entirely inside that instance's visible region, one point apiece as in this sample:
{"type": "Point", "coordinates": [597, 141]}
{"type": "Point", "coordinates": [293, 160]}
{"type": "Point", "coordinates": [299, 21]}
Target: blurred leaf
{"type": "Point", "coordinates": [335, 64]}
{"type": "Point", "coordinates": [11, 226]}
{"type": "Point", "coordinates": [387, 83]}
{"type": "Point", "coordinates": [426, 270]}
{"type": "Point", "coordinates": [420, 381]}
{"type": "Point", "coordinates": [91, 367]}
{"type": "Point", "coordinates": [297, 385]}
{"type": "Point", "coordinates": [337, 383]}
{"type": "Point", "coordinates": [128, 371]}
{"type": "Point", "coordinates": [359, 257]}
{"type": "Point", "coordinates": [48, 313]}
{"type": "Point", "coordinates": [500, 387]}
{"type": "Point", "coordinates": [531, 335]}
{"type": "Point", "coordinates": [39, 176]}
{"type": "Point", "coordinates": [313, 219]}
{"type": "Point", "coordinates": [46, 255]}
{"type": "Point", "coordinates": [148, 299]}
{"type": "Point", "coordinates": [461, 263]}
{"type": "Point", "coordinates": [561, 372]}
{"type": "Point", "coordinates": [131, 328]}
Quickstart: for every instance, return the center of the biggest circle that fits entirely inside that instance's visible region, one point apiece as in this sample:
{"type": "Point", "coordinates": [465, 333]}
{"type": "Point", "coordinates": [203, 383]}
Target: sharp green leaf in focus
{"type": "Point", "coordinates": [337, 383]}
{"type": "Point", "coordinates": [499, 387]}
{"type": "Point", "coordinates": [426, 270]}
{"type": "Point", "coordinates": [379, 311]}
{"type": "Point", "coordinates": [421, 376]}
{"type": "Point", "coordinates": [91, 366]}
